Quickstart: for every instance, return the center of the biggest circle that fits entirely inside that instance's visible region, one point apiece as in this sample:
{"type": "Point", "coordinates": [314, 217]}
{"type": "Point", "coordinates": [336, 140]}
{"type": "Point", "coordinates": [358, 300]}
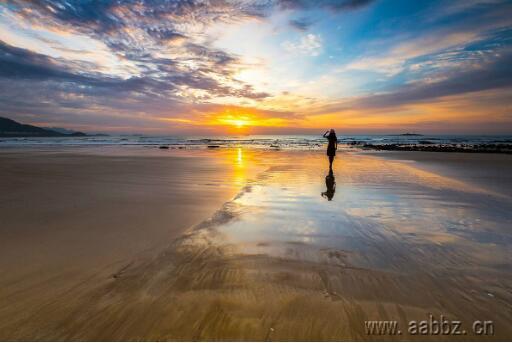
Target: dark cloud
{"type": "Point", "coordinates": [301, 24]}
{"type": "Point", "coordinates": [16, 63]}
{"type": "Point", "coordinates": [95, 14]}
{"type": "Point", "coordinates": [107, 15]}
{"type": "Point", "coordinates": [217, 57]}
{"type": "Point", "coordinates": [22, 64]}
{"type": "Point", "coordinates": [335, 5]}
{"type": "Point", "coordinates": [103, 16]}
{"type": "Point", "coordinates": [165, 34]}
{"type": "Point", "coordinates": [353, 4]}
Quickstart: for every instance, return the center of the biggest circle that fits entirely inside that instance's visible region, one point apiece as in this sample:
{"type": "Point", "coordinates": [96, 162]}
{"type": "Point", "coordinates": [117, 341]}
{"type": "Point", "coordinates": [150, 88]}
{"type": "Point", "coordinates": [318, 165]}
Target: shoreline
{"type": "Point", "coordinates": [448, 143]}
{"type": "Point", "coordinates": [501, 149]}
{"type": "Point", "coordinates": [432, 147]}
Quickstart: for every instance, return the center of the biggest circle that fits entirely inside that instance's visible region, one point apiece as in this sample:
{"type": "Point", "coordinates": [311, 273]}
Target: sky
{"type": "Point", "coordinates": [258, 66]}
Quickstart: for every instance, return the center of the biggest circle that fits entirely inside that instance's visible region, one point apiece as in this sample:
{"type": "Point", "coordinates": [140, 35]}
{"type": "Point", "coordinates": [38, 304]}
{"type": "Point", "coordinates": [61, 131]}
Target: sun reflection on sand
{"type": "Point", "coordinates": [240, 168]}
{"type": "Point", "coordinates": [244, 164]}
{"type": "Point", "coordinates": [395, 197]}
{"type": "Point", "coordinates": [240, 156]}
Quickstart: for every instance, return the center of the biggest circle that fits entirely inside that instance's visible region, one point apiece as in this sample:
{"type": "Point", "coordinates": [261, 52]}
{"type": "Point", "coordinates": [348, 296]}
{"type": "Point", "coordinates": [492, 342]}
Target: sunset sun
{"type": "Point", "coordinates": [239, 123]}
{"type": "Point", "coordinates": [235, 121]}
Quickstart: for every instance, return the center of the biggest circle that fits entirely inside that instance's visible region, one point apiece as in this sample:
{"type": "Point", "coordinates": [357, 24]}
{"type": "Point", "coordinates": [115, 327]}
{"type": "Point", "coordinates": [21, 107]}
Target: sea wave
{"type": "Point", "coordinates": [258, 141]}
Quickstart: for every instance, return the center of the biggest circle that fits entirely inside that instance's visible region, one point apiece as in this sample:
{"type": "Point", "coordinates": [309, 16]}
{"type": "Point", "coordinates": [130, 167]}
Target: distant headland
{"type": "Point", "coordinates": [11, 128]}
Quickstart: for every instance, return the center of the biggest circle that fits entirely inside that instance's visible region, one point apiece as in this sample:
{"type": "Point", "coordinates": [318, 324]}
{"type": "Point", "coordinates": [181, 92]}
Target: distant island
{"type": "Point", "coordinates": [11, 128]}
{"type": "Point", "coordinates": [410, 134]}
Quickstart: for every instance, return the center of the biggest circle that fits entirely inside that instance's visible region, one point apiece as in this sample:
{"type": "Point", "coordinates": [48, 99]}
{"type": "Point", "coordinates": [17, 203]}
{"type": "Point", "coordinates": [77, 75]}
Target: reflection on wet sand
{"type": "Point", "coordinates": [279, 262]}
{"type": "Point", "coordinates": [330, 184]}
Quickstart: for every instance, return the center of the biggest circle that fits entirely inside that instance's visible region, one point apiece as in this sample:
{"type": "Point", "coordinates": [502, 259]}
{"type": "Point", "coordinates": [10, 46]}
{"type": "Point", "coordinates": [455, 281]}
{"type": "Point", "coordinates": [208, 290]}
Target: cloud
{"type": "Point", "coordinates": [309, 44]}
{"type": "Point", "coordinates": [334, 5]}
{"type": "Point", "coordinates": [116, 62]}
{"type": "Point", "coordinates": [52, 81]}
{"type": "Point", "coordinates": [394, 61]}
{"type": "Point", "coordinates": [166, 35]}
{"type": "Point", "coordinates": [457, 7]}
{"type": "Point", "coordinates": [162, 39]}
{"type": "Point", "coordinates": [494, 74]}
{"type": "Point", "coordinates": [390, 56]}
{"type": "Point", "coordinates": [16, 63]}
{"type": "Point", "coordinates": [301, 24]}
{"type": "Point", "coordinates": [497, 74]}
{"type": "Point", "coordinates": [172, 64]}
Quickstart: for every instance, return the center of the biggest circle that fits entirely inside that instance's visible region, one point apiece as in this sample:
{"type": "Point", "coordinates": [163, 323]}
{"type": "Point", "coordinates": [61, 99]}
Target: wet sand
{"type": "Point", "coordinates": [72, 217]}
{"type": "Point", "coordinates": [245, 245]}
{"type": "Point", "coordinates": [491, 171]}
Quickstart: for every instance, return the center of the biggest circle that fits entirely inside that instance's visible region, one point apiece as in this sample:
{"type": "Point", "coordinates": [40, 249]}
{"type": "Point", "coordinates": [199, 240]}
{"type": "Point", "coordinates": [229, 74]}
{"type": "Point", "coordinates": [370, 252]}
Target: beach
{"type": "Point", "coordinates": [139, 243]}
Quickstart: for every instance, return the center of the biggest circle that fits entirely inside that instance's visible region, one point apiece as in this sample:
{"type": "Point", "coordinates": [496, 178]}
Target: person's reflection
{"type": "Point", "coordinates": [330, 183]}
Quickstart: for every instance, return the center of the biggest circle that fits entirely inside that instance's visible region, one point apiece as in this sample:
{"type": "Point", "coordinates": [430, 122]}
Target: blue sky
{"type": "Point", "coordinates": [268, 66]}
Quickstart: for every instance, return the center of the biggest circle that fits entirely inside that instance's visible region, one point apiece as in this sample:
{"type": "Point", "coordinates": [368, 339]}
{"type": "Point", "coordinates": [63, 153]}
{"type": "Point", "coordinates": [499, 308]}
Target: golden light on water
{"type": "Point", "coordinates": [239, 167]}
{"type": "Point", "coordinates": [240, 159]}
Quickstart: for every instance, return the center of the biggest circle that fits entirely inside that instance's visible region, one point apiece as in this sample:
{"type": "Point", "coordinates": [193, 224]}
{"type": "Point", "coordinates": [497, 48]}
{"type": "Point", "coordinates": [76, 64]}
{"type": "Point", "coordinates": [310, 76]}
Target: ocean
{"type": "Point", "coordinates": [300, 142]}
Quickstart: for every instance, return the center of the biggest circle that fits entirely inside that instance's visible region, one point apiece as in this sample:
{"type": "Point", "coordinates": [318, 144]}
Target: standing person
{"type": "Point", "coordinates": [331, 147]}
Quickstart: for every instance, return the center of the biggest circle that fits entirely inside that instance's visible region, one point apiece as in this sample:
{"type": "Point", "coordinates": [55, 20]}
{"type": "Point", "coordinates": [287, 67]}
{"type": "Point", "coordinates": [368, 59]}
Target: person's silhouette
{"type": "Point", "coordinates": [331, 147]}
{"type": "Point", "coordinates": [330, 183]}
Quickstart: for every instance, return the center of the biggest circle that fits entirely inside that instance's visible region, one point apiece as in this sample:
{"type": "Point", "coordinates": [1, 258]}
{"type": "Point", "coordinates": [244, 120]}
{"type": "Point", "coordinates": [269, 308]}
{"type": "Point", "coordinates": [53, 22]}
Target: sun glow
{"type": "Point", "coordinates": [237, 121]}
{"type": "Point", "coordinates": [241, 120]}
